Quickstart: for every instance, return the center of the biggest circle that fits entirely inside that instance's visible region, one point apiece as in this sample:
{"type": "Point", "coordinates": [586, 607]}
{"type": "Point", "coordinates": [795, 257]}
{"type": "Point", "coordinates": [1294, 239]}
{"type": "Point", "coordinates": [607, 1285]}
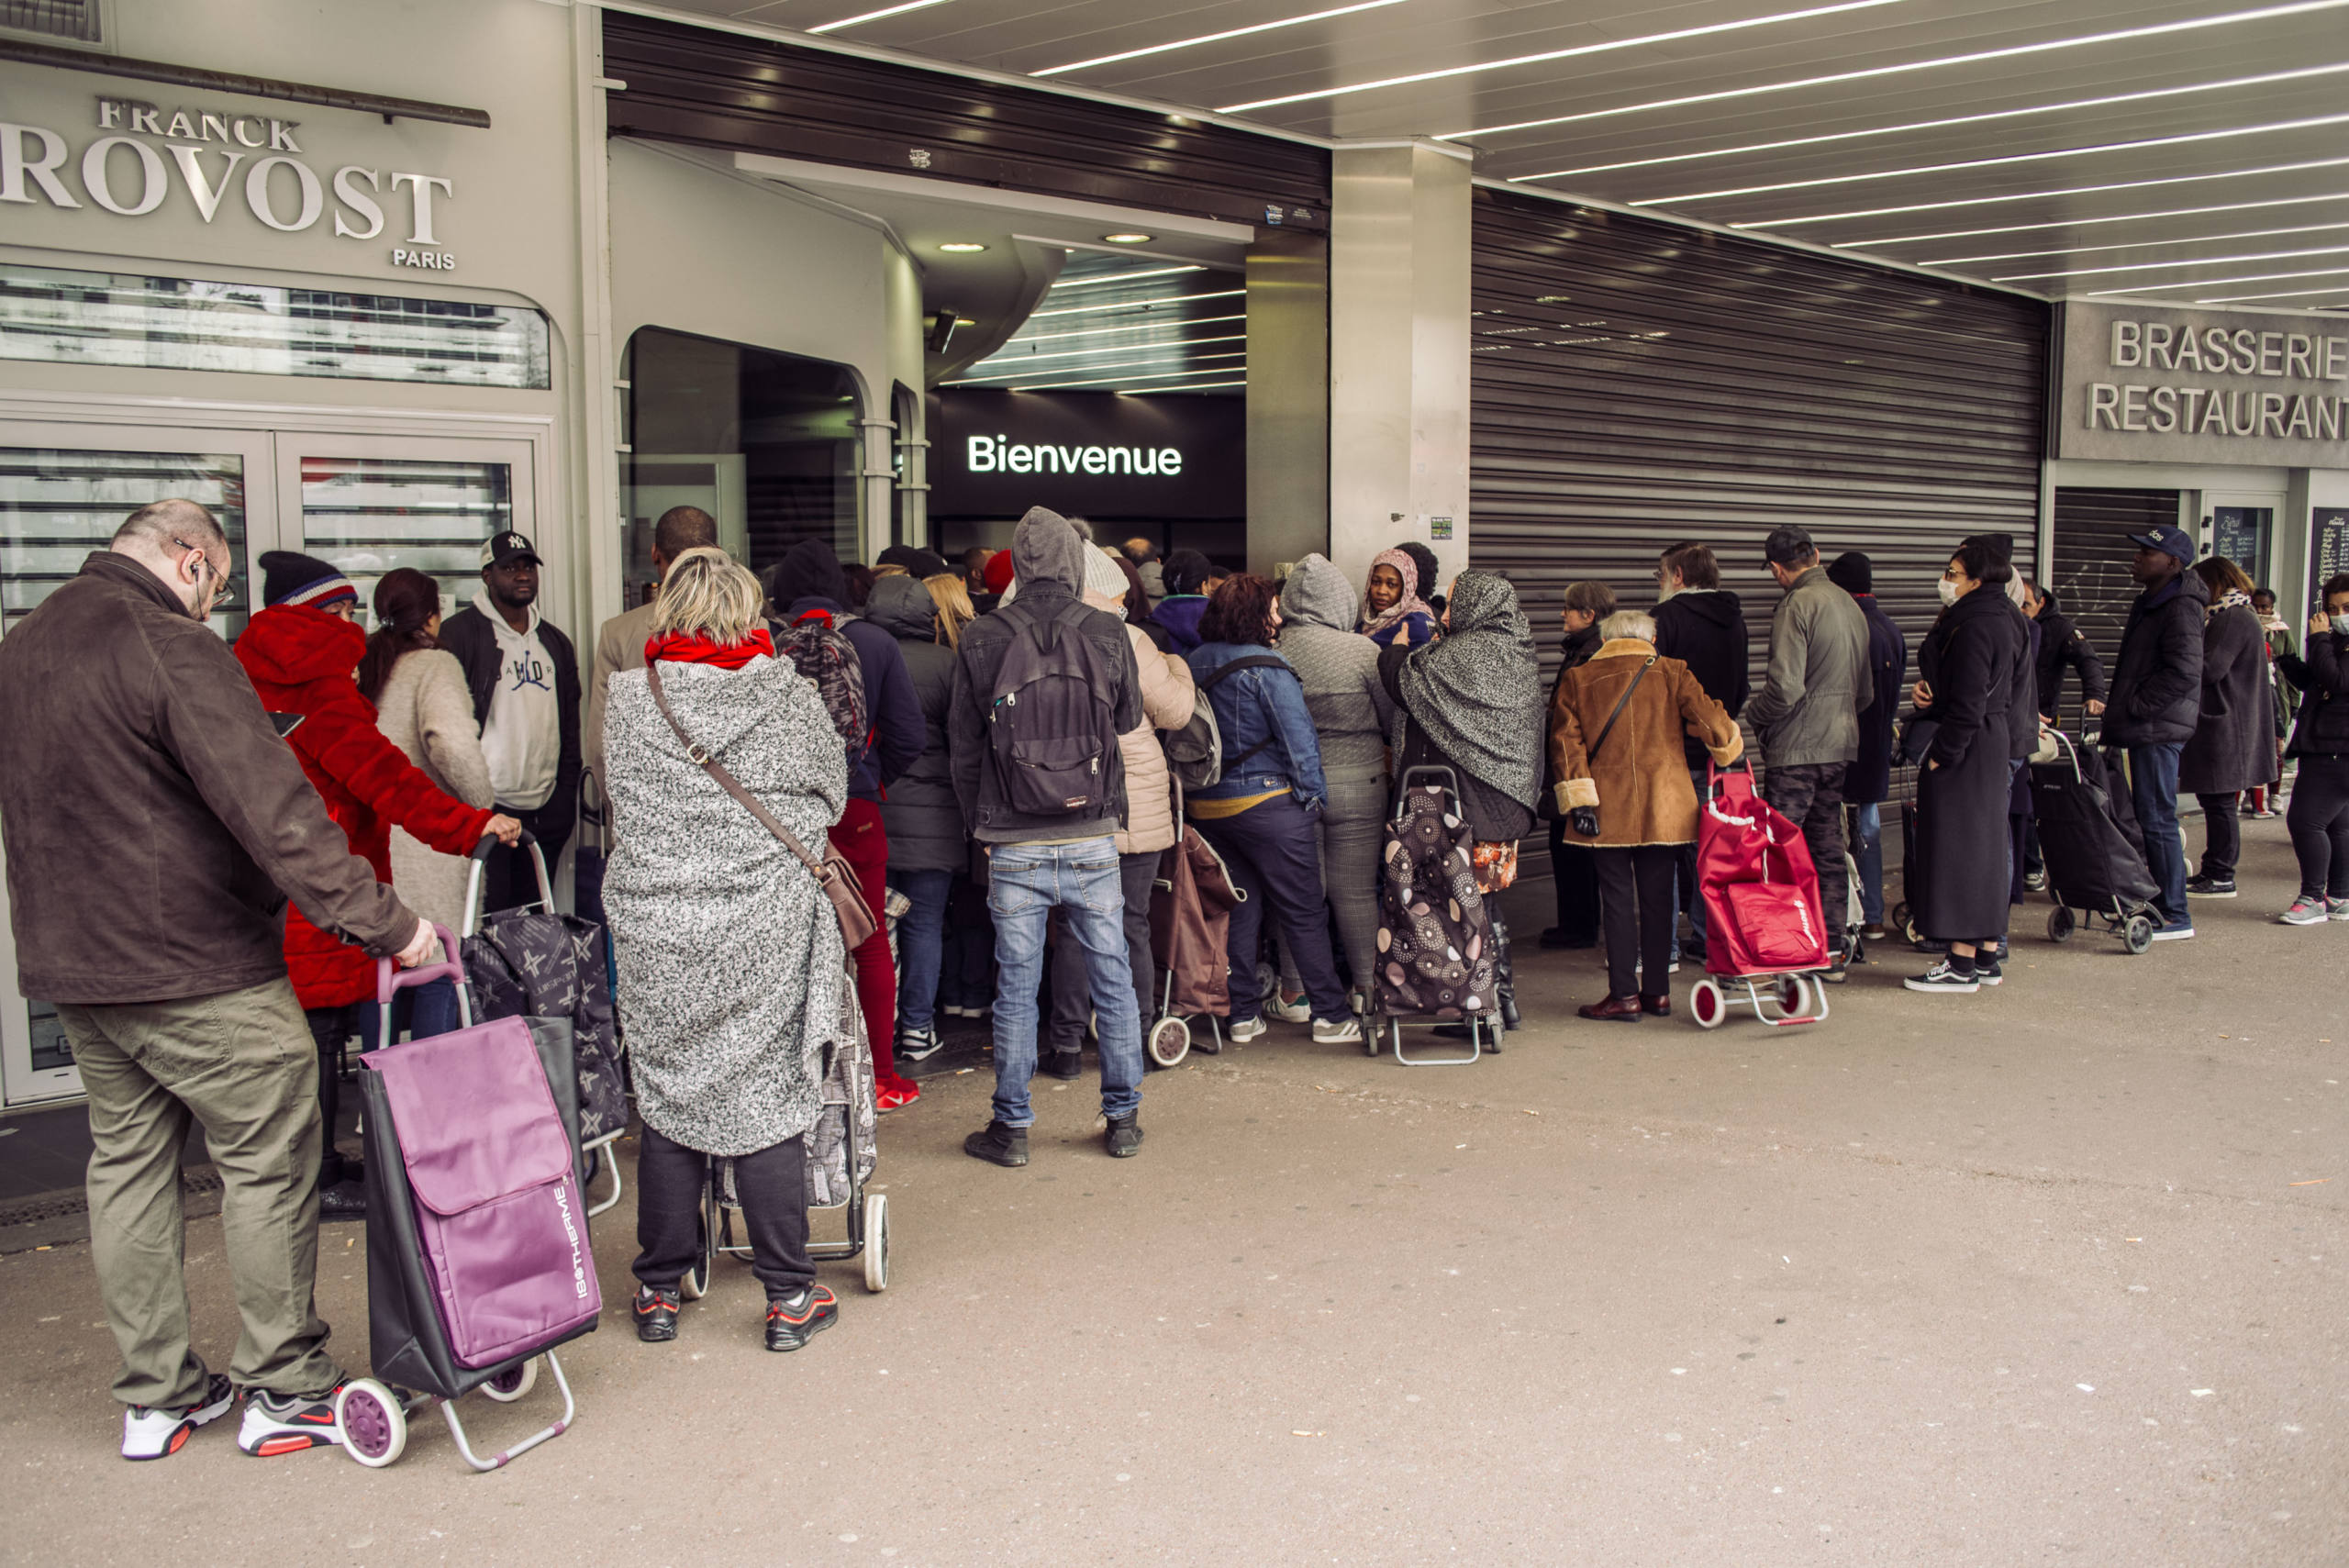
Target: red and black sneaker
{"type": "Point", "coordinates": [656, 1314]}
{"type": "Point", "coordinates": [288, 1423]}
{"type": "Point", "coordinates": [156, 1431]}
{"type": "Point", "coordinates": [793, 1320]}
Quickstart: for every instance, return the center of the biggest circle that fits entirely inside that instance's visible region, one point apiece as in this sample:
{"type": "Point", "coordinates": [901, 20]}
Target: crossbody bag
{"type": "Point", "coordinates": [832, 873]}
{"type": "Point", "coordinates": [1590, 756]}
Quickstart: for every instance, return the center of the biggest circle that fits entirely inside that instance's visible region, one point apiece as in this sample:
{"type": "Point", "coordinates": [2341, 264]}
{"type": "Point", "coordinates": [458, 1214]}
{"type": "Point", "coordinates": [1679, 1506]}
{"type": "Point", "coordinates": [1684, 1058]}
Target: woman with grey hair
{"type": "Point", "coordinates": [731, 961]}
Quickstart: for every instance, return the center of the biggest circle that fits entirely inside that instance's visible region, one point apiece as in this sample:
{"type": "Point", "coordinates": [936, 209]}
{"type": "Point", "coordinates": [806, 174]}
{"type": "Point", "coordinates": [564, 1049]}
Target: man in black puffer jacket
{"type": "Point", "coordinates": [2155, 703]}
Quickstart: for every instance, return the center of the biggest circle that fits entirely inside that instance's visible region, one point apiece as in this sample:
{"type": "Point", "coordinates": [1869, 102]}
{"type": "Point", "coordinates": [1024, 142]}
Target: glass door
{"type": "Point", "coordinates": [65, 488]}
{"type": "Point", "coordinates": [371, 503]}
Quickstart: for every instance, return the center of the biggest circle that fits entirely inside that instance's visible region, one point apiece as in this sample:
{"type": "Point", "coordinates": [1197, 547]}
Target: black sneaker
{"type": "Point", "coordinates": [288, 1423]}
{"type": "Point", "coordinates": [656, 1314]}
{"type": "Point", "coordinates": [999, 1144]}
{"type": "Point", "coordinates": [1987, 971]}
{"type": "Point", "coordinates": [343, 1200]}
{"type": "Point", "coordinates": [2211, 887]}
{"type": "Point", "coordinates": [917, 1045]}
{"type": "Point", "coordinates": [2035, 881]}
{"type": "Point", "coordinates": [1065, 1066]}
{"type": "Point", "coordinates": [793, 1320]}
{"type": "Point", "coordinates": [1942, 977]}
{"type": "Point", "coordinates": [156, 1431]}
{"type": "Point", "coordinates": [1123, 1139]}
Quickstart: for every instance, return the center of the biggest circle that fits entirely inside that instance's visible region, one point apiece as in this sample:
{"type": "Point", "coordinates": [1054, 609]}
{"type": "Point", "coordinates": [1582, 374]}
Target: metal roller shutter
{"type": "Point", "coordinates": [2090, 570]}
{"type": "Point", "coordinates": [1636, 383]}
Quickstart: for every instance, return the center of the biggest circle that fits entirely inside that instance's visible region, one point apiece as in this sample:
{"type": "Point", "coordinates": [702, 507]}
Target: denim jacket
{"type": "Point", "coordinates": [1251, 705]}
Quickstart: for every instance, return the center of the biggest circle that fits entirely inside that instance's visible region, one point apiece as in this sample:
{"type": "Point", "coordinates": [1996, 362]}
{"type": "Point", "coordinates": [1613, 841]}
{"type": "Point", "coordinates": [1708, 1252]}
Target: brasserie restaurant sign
{"type": "Point", "coordinates": [2151, 383]}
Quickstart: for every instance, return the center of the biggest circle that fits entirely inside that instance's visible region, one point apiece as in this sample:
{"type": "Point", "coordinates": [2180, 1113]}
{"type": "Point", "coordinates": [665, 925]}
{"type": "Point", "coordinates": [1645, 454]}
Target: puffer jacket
{"type": "Point", "coordinates": [1338, 668]}
{"type": "Point", "coordinates": [2156, 694]}
{"type": "Point", "coordinates": [1808, 711]}
{"type": "Point", "coordinates": [1167, 696]}
{"type": "Point", "coordinates": [304, 661]}
{"type": "Point", "coordinates": [1639, 782]}
{"type": "Point", "coordinates": [924, 824]}
{"type": "Point", "coordinates": [2321, 674]}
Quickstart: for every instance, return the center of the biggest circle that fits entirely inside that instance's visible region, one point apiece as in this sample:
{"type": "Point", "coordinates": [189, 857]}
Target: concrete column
{"type": "Point", "coordinates": [1398, 352]}
{"type": "Point", "coordinates": [1289, 397]}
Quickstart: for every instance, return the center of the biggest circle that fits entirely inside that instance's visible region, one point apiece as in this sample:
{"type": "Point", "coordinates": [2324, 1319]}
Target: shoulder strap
{"type": "Point", "coordinates": [727, 781]}
{"type": "Point", "coordinates": [1607, 730]}
{"type": "Point", "coordinates": [1245, 661]}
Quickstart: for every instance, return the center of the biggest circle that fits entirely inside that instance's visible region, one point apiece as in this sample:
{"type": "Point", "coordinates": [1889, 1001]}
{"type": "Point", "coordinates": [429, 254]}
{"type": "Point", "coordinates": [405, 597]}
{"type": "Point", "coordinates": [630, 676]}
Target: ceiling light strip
{"type": "Point", "coordinates": [1607, 47]}
{"type": "Point", "coordinates": [1218, 386]}
{"type": "Point", "coordinates": [1146, 302]}
{"type": "Point", "coordinates": [2221, 282]}
{"type": "Point", "coordinates": [1082, 282]}
{"type": "Point", "coordinates": [1118, 348]}
{"type": "Point", "coordinates": [2089, 222]}
{"type": "Point", "coordinates": [2131, 245]}
{"type": "Point", "coordinates": [1998, 163]}
{"type": "Point", "coordinates": [2290, 294]}
{"type": "Point", "coordinates": [1213, 38]}
{"type": "Point", "coordinates": [1141, 327]}
{"type": "Point", "coordinates": [1107, 380]}
{"type": "Point", "coordinates": [2227, 85]}
{"type": "Point", "coordinates": [2191, 24]}
{"type": "Point", "coordinates": [2039, 195]}
{"type": "Point", "coordinates": [2173, 265]}
{"type": "Point", "coordinates": [980, 372]}
{"type": "Point", "coordinates": [881, 14]}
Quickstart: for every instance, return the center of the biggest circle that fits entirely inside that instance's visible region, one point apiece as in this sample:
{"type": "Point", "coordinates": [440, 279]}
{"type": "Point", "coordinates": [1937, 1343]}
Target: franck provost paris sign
{"type": "Point", "coordinates": [2154, 383]}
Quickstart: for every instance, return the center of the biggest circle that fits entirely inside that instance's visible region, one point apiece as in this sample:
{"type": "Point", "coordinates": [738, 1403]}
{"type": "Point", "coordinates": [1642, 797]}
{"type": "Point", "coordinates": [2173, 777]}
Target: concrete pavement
{"type": "Point", "coordinates": [2026, 1276]}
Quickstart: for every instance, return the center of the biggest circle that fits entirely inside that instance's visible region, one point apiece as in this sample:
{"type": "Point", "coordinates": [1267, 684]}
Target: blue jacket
{"type": "Point", "coordinates": [891, 706]}
{"type": "Point", "coordinates": [1261, 715]}
{"type": "Point", "coordinates": [1418, 623]}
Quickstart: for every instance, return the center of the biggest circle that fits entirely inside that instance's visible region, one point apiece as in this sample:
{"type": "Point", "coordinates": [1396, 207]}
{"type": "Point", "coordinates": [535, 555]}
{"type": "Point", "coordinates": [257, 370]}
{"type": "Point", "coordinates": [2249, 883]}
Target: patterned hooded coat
{"type": "Point", "coordinates": [730, 962]}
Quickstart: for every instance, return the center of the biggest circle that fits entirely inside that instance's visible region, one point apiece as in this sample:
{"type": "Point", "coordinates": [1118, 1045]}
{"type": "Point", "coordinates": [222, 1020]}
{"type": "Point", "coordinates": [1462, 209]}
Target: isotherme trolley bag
{"type": "Point", "coordinates": [1765, 937]}
{"type": "Point", "coordinates": [478, 1262]}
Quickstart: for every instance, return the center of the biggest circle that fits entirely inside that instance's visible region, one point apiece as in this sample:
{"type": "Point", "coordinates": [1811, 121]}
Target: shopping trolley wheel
{"type": "Point", "coordinates": [876, 1243]}
{"type": "Point", "coordinates": [2062, 923]}
{"type": "Point", "coordinates": [372, 1424]}
{"type": "Point", "coordinates": [1706, 1004]}
{"type": "Point", "coordinates": [513, 1383]}
{"type": "Point", "coordinates": [1170, 1041]}
{"type": "Point", "coordinates": [1793, 996]}
{"type": "Point", "coordinates": [2138, 934]}
{"type": "Point", "coordinates": [1897, 916]}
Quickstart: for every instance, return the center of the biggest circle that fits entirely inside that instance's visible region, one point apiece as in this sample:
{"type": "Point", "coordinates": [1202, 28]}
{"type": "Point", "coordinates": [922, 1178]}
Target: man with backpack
{"type": "Point", "coordinates": [1043, 687]}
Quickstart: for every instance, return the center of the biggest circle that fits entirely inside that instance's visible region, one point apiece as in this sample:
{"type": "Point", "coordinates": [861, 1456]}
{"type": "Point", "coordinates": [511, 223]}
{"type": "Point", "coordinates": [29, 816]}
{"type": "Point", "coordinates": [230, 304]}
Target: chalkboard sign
{"type": "Point", "coordinates": [2329, 545]}
{"type": "Point", "coordinates": [2240, 533]}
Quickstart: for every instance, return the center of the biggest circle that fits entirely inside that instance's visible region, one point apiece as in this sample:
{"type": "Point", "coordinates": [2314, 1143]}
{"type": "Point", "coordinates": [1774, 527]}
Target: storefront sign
{"type": "Point", "coordinates": [1091, 454]}
{"type": "Point", "coordinates": [138, 156]}
{"type": "Point", "coordinates": [2147, 384]}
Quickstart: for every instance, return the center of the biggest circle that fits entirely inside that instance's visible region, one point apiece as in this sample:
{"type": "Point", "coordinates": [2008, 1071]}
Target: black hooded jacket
{"type": "Point", "coordinates": [2157, 695]}
{"type": "Point", "coordinates": [1704, 629]}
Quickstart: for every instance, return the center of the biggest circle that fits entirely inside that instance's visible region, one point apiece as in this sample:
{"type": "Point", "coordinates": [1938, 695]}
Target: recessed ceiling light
{"type": "Point", "coordinates": [964, 321]}
{"type": "Point", "coordinates": [961, 247]}
{"type": "Point", "coordinates": [2007, 53]}
{"type": "Point", "coordinates": [1127, 238]}
{"type": "Point", "coordinates": [1547, 55]}
{"type": "Point", "coordinates": [1873, 131]}
{"type": "Point", "coordinates": [2042, 196]}
{"type": "Point", "coordinates": [1993, 162]}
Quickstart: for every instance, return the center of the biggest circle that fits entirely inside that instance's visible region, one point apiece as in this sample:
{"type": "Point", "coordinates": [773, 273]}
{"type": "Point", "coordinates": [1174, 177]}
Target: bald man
{"type": "Point", "coordinates": [619, 641]}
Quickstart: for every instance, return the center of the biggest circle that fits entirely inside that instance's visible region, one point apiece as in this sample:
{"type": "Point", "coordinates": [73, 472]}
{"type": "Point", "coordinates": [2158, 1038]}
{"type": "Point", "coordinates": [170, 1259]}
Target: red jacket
{"type": "Point", "coordinates": [304, 661]}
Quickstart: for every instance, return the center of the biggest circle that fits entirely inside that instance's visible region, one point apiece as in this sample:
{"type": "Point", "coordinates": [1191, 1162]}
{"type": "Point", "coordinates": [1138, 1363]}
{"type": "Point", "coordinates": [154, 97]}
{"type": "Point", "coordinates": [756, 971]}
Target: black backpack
{"type": "Point", "coordinates": [1051, 725]}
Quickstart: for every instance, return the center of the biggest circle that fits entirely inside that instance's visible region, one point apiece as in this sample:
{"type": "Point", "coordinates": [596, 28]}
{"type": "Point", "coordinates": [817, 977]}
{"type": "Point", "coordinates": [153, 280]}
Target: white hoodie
{"type": "Point", "coordinates": [522, 739]}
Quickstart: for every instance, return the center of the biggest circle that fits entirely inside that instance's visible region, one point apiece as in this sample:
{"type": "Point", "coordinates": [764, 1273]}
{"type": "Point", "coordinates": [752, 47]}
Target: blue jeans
{"type": "Point", "coordinates": [1025, 884]}
{"type": "Point", "coordinates": [921, 944]}
{"type": "Point", "coordinates": [2153, 790]}
{"type": "Point", "coordinates": [1867, 848]}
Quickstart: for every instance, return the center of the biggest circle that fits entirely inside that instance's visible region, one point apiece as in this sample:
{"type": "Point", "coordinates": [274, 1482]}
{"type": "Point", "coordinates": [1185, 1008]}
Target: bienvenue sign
{"type": "Point", "coordinates": [2147, 384]}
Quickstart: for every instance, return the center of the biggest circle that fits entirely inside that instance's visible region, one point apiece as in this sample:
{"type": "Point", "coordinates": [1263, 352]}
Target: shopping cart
{"type": "Point", "coordinates": [1437, 964]}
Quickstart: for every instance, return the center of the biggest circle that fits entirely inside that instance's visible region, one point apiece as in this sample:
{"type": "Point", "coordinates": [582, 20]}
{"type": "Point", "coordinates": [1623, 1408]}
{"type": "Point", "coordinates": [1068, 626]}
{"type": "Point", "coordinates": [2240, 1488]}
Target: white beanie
{"type": "Point", "coordinates": [1101, 574]}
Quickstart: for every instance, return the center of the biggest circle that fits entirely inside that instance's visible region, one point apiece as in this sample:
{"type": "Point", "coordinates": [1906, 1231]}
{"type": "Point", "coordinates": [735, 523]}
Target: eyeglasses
{"type": "Point", "coordinates": [219, 578]}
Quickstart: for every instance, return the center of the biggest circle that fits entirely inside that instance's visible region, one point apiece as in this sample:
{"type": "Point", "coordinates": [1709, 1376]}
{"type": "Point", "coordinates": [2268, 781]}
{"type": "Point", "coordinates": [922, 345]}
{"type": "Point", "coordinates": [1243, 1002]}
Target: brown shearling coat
{"type": "Point", "coordinates": [1641, 781]}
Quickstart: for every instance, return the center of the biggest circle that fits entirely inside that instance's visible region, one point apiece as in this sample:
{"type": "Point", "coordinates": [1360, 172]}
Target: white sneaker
{"type": "Point", "coordinates": [1299, 1011]}
{"type": "Point", "coordinates": [1244, 1030]}
{"type": "Point", "coordinates": [1337, 1031]}
{"type": "Point", "coordinates": [155, 1432]}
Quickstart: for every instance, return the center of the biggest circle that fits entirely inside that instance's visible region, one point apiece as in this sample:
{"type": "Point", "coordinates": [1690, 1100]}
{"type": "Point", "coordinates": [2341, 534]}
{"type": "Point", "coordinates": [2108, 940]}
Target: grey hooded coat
{"type": "Point", "coordinates": [1339, 666]}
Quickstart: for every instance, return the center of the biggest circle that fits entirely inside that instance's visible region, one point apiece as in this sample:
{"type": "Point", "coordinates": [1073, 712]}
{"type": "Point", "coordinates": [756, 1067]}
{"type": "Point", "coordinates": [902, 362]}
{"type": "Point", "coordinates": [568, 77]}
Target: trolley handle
{"type": "Point", "coordinates": [1446, 779]}
{"type": "Point", "coordinates": [473, 874]}
{"type": "Point", "coordinates": [489, 841]}
{"type": "Point", "coordinates": [390, 978]}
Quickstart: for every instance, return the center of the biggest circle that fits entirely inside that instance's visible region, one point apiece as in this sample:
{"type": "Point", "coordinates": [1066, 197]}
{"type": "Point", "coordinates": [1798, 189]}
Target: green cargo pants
{"type": "Point", "coordinates": [243, 1065]}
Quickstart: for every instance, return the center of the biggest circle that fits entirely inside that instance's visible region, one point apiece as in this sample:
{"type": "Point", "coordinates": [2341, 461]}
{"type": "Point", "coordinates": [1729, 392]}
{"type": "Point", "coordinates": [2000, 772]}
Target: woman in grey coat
{"type": "Point", "coordinates": [2233, 745]}
{"type": "Point", "coordinates": [731, 961]}
{"type": "Point", "coordinates": [926, 845]}
{"type": "Point", "coordinates": [1351, 709]}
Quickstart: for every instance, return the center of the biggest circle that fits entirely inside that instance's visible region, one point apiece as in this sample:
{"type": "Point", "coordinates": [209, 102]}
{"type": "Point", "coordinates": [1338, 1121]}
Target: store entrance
{"type": "Point", "coordinates": [366, 500]}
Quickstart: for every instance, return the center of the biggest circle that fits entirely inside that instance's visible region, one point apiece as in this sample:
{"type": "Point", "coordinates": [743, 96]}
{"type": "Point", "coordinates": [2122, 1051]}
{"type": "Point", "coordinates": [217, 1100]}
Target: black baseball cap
{"type": "Point", "coordinates": [499, 549]}
{"type": "Point", "coordinates": [1786, 546]}
{"type": "Point", "coordinates": [2172, 542]}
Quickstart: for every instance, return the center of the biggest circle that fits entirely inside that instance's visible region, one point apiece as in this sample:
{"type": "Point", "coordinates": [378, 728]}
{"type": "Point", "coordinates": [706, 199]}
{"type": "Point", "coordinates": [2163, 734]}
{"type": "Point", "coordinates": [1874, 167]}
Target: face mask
{"type": "Point", "coordinates": [1949, 591]}
{"type": "Point", "coordinates": [2341, 626]}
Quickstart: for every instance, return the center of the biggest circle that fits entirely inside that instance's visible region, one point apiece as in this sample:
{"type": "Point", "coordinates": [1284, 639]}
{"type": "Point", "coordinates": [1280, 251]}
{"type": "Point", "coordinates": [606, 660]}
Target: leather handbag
{"type": "Point", "coordinates": [832, 873]}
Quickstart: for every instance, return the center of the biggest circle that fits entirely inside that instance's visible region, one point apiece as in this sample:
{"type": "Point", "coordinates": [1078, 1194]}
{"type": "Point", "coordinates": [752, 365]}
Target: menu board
{"type": "Point", "coordinates": [2327, 545]}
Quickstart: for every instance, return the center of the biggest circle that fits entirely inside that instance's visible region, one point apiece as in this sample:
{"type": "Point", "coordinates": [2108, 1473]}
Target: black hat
{"type": "Point", "coordinates": [499, 549]}
{"type": "Point", "coordinates": [1852, 571]}
{"type": "Point", "coordinates": [918, 562]}
{"type": "Point", "coordinates": [2001, 546]}
{"type": "Point", "coordinates": [289, 577]}
{"type": "Point", "coordinates": [1788, 546]}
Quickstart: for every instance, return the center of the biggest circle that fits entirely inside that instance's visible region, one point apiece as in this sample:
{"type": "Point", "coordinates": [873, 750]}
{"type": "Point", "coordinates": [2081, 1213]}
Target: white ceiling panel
{"type": "Point", "coordinates": [1875, 96]}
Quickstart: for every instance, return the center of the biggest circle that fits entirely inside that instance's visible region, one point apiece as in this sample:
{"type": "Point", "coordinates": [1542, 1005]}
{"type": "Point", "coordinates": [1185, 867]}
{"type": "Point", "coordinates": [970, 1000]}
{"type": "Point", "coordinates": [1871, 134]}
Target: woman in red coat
{"type": "Point", "coordinates": [302, 654]}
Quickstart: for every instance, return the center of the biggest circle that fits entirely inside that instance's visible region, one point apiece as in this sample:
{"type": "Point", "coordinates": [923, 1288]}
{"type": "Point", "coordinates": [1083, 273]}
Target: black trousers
{"type": "Point", "coordinates": [2318, 819]}
{"type": "Point", "coordinates": [1072, 986]}
{"type": "Point", "coordinates": [508, 880]}
{"type": "Point", "coordinates": [1635, 900]}
{"type": "Point", "coordinates": [773, 1185]}
{"type": "Point", "coordinates": [2221, 835]}
{"type": "Point", "coordinates": [1573, 875]}
{"type": "Point", "coordinates": [1275, 858]}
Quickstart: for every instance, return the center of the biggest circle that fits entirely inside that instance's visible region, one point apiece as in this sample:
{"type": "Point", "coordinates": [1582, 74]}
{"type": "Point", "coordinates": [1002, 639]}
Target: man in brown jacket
{"type": "Point", "coordinates": [619, 641]}
{"type": "Point", "coordinates": [151, 814]}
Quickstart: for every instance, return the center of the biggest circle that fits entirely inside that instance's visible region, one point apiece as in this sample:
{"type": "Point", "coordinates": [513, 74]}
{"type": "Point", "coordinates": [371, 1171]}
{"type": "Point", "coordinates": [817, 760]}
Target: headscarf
{"type": "Point", "coordinates": [1410, 604]}
{"type": "Point", "coordinates": [1477, 693]}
